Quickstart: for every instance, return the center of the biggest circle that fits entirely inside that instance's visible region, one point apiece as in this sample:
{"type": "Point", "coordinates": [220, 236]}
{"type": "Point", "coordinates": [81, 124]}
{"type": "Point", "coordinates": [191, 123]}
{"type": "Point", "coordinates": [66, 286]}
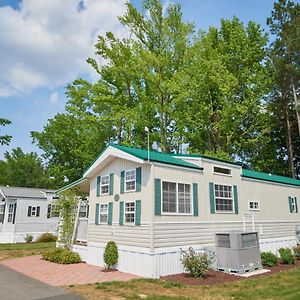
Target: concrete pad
{"type": "Point", "coordinates": [257, 272]}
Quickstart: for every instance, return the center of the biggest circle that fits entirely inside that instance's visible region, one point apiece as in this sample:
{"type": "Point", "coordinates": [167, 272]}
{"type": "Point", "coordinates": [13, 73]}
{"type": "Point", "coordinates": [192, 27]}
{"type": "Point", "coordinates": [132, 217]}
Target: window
{"type": "Point", "coordinates": [105, 185]}
{"type": "Point", "coordinates": [223, 171]}
{"type": "Point", "coordinates": [33, 211]}
{"type": "Point", "coordinates": [103, 214]}
{"type": "Point", "coordinates": [176, 197]}
{"type": "Point", "coordinates": [129, 212]}
{"type": "Point", "coordinates": [52, 211]}
{"type": "Point", "coordinates": [11, 209]}
{"type": "Point", "coordinates": [2, 211]}
{"type": "Point", "coordinates": [293, 205]}
{"type": "Point", "coordinates": [254, 205]}
{"type": "Point", "coordinates": [130, 180]}
{"type": "Point", "coordinates": [83, 210]}
{"type": "Point", "coordinates": [224, 199]}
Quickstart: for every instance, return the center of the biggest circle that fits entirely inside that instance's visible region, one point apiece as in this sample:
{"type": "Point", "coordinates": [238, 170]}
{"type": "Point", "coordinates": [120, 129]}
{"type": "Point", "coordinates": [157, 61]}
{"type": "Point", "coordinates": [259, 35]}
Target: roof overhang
{"type": "Point", "coordinates": [82, 184]}
{"type": "Point", "coordinates": [109, 154]}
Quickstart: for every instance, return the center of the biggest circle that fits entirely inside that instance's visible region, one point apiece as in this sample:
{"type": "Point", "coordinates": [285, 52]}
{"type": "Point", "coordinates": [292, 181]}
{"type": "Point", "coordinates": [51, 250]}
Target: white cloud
{"type": "Point", "coordinates": [46, 43]}
{"type": "Point", "coordinates": [53, 98]}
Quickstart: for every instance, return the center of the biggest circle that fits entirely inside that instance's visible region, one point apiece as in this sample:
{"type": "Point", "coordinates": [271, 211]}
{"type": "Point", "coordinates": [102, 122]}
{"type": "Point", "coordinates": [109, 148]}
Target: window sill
{"type": "Point", "coordinates": [225, 212]}
{"type": "Point", "coordinates": [222, 174]}
{"type": "Point", "coordinates": [177, 214]}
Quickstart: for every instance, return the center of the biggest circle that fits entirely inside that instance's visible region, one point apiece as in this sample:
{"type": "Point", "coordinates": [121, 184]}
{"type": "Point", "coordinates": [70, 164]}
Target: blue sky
{"type": "Point", "coordinates": [44, 44]}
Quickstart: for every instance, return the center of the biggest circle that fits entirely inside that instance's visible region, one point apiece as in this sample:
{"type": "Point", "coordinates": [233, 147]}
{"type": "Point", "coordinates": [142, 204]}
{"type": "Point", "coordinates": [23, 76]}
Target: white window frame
{"type": "Point", "coordinates": [129, 212]}
{"type": "Point", "coordinates": [103, 213]}
{"type": "Point", "coordinates": [293, 204]}
{"type": "Point", "coordinates": [10, 213]}
{"type": "Point", "coordinates": [33, 211]}
{"type": "Point", "coordinates": [177, 213]}
{"type": "Point", "coordinates": [217, 173]}
{"type": "Point", "coordinates": [131, 180]}
{"type": "Point", "coordinates": [232, 198]}
{"type": "Point", "coordinates": [254, 209]}
{"type": "Point", "coordinates": [104, 185]}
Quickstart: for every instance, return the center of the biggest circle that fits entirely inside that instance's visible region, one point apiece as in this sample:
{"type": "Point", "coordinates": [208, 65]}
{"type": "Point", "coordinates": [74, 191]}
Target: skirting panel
{"type": "Point", "coordinates": [163, 261]}
{"type": "Point", "coordinates": [19, 237]}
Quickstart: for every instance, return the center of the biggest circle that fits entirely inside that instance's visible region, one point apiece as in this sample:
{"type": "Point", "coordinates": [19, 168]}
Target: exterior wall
{"type": "Point", "coordinates": [127, 235]}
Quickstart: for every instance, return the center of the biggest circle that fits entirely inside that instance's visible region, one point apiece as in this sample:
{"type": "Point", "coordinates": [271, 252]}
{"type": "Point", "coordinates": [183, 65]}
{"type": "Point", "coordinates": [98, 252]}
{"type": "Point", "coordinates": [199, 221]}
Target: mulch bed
{"type": "Point", "coordinates": [216, 277]}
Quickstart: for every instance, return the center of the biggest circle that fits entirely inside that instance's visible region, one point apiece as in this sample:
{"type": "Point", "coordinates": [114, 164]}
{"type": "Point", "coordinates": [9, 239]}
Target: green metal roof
{"type": "Point", "coordinates": [155, 156]}
{"type": "Point", "coordinates": [269, 177]}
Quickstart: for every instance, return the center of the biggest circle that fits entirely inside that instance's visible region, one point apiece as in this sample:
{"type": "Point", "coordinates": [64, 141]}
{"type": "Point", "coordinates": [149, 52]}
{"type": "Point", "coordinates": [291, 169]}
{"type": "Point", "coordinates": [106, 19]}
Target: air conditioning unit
{"type": "Point", "coordinates": [237, 252]}
{"type": "Point", "coordinates": [298, 234]}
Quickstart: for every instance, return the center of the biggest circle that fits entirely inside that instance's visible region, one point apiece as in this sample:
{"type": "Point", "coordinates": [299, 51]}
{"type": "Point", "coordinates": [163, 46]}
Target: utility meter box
{"type": "Point", "coordinates": [237, 252]}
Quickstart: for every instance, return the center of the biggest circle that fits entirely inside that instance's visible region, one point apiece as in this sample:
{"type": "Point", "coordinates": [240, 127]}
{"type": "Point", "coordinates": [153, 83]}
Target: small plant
{"type": "Point", "coordinates": [269, 259]}
{"type": "Point", "coordinates": [286, 256]}
{"type": "Point", "coordinates": [297, 251]}
{"type": "Point", "coordinates": [196, 264]}
{"type": "Point", "coordinates": [61, 256]}
{"type": "Point", "coordinates": [46, 238]}
{"type": "Point", "coordinates": [28, 238]}
{"type": "Point", "coordinates": [110, 255]}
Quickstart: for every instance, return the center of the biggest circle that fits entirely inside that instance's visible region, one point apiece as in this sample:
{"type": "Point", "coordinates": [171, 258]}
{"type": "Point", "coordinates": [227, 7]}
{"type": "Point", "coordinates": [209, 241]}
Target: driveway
{"type": "Point", "coordinates": [16, 286]}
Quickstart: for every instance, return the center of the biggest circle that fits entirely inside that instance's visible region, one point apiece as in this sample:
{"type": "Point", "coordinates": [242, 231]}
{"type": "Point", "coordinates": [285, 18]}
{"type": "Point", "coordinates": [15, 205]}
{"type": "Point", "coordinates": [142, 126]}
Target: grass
{"type": "Point", "coordinates": [8, 251]}
{"type": "Point", "coordinates": [283, 285]}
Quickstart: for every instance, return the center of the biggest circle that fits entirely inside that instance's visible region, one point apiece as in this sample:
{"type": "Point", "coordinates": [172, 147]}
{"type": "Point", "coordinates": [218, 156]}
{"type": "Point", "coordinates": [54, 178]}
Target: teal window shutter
{"type": "Point", "coordinates": [212, 198]}
{"type": "Point", "coordinates": [110, 213]}
{"type": "Point", "coordinates": [296, 205]}
{"type": "Point", "coordinates": [290, 204]}
{"type": "Point", "coordinates": [235, 199]}
{"type": "Point", "coordinates": [157, 196]}
{"type": "Point", "coordinates": [98, 185]}
{"type": "Point", "coordinates": [111, 184]}
{"type": "Point", "coordinates": [138, 179]}
{"type": "Point", "coordinates": [97, 214]}
{"type": "Point", "coordinates": [122, 182]}
{"type": "Point", "coordinates": [121, 217]}
{"type": "Point", "coordinates": [195, 199]}
{"type": "Point", "coordinates": [138, 204]}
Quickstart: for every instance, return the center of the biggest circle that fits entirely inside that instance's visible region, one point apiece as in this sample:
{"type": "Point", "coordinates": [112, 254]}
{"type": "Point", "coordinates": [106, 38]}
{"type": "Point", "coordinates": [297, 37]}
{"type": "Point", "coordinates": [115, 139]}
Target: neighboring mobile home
{"type": "Point", "coordinates": [154, 208]}
{"type": "Point", "coordinates": [25, 211]}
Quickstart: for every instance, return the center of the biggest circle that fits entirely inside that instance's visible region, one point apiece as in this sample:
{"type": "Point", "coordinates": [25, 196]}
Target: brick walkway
{"type": "Point", "coordinates": [59, 275]}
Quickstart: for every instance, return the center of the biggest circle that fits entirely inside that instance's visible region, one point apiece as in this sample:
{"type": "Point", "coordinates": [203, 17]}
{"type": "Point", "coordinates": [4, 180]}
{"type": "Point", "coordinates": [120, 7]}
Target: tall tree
{"type": "Point", "coordinates": [5, 139]}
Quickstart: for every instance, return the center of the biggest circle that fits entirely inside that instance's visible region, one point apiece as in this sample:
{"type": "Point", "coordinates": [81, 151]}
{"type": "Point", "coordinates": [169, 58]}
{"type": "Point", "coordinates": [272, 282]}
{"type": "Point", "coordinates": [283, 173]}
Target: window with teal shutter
{"type": "Point", "coordinates": [110, 213]}
{"type": "Point", "coordinates": [111, 184]}
{"type": "Point", "coordinates": [138, 179]}
{"type": "Point", "coordinates": [138, 204]}
{"type": "Point", "coordinates": [293, 205]}
{"type": "Point", "coordinates": [97, 214]}
{"type": "Point", "coordinates": [157, 196]}
{"type": "Point", "coordinates": [296, 205]}
{"type": "Point", "coordinates": [122, 182]}
{"type": "Point", "coordinates": [121, 216]}
{"type": "Point", "coordinates": [98, 185]}
{"type": "Point", "coordinates": [195, 199]}
{"type": "Point", "coordinates": [235, 199]}
{"type": "Point", "coordinates": [212, 198]}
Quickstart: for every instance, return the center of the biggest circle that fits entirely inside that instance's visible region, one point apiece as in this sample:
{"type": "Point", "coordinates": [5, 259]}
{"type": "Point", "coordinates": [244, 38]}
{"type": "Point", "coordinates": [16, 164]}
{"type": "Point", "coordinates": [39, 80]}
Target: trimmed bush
{"type": "Point", "coordinates": [196, 264]}
{"type": "Point", "coordinates": [297, 251]}
{"type": "Point", "coordinates": [269, 259]}
{"type": "Point", "coordinates": [46, 238]}
{"type": "Point", "coordinates": [110, 255]}
{"type": "Point", "coordinates": [28, 238]}
{"type": "Point", "coordinates": [61, 256]}
{"type": "Point", "coordinates": [286, 256]}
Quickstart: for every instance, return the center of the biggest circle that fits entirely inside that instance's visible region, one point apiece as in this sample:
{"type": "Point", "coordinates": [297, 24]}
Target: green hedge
{"type": "Point", "coordinates": [61, 256]}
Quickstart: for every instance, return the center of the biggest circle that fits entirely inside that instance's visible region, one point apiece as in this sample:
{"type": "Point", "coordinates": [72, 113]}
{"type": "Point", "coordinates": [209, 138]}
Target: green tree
{"type": "Point", "coordinates": [5, 139]}
{"type": "Point", "coordinates": [23, 169]}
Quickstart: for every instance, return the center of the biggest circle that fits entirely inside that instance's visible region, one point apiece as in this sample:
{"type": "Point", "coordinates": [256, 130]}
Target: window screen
{"type": "Point", "coordinates": [223, 240]}
{"type": "Point", "coordinates": [249, 240]}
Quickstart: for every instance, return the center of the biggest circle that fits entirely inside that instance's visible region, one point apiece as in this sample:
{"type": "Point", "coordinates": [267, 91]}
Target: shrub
{"type": "Point", "coordinates": [269, 259]}
{"type": "Point", "coordinates": [61, 256]}
{"type": "Point", "coordinates": [286, 256]}
{"type": "Point", "coordinates": [110, 254]}
{"type": "Point", "coordinates": [297, 251]}
{"type": "Point", "coordinates": [46, 238]}
{"type": "Point", "coordinates": [196, 264]}
{"type": "Point", "coordinates": [28, 238]}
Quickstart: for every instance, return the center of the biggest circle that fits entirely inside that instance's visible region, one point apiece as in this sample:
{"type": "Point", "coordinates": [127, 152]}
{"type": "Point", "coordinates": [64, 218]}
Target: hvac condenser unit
{"type": "Point", "coordinates": [237, 252]}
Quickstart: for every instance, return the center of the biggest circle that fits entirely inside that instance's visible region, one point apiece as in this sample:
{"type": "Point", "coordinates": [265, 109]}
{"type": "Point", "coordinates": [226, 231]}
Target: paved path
{"type": "Point", "coordinates": [16, 286]}
{"type": "Point", "coordinates": [59, 275]}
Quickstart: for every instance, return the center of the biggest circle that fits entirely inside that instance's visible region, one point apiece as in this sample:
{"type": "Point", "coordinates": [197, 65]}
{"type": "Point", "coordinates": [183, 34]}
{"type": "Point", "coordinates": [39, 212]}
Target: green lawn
{"type": "Point", "coordinates": [283, 285]}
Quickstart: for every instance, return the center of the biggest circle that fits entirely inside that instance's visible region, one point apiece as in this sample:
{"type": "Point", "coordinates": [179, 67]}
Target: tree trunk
{"type": "Point", "coordinates": [296, 104]}
{"type": "Point", "coordinates": [289, 145]}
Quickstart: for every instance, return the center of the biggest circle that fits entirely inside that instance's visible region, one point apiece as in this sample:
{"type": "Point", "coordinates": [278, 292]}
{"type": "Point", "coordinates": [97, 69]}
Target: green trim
{"type": "Point", "coordinates": [269, 177]}
{"type": "Point", "coordinates": [296, 204]}
{"type": "Point", "coordinates": [138, 179]}
{"type": "Point", "coordinates": [98, 186]}
{"type": "Point", "coordinates": [138, 211]}
{"type": "Point", "coordinates": [66, 187]}
{"type": "Point", "coordinates": [110, 213]}
{"type": "Point", "coordinates": [111, 184]}
{"type": "Point", "coordinates": [235, 200]}
{"type": "Point", "coordinates": [195, 199]}
{"type": "Point", "coordinates": [122, 182]}
{"type": "Point", "coordinates": [97, 214]}
{"type": "Point", "coordinates": [121, 215]}
{"type": "Point", "coordinates": [157, 196]}
{"type": "Point", "coordinates": [212, 198]}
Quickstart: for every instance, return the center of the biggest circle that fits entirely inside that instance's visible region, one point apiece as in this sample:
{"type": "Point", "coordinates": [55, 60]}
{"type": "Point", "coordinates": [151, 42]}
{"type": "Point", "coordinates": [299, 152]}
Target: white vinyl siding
{"type": "Point", "coordinates": [130, 178]}
{"type": "Point", "coordinates": [103, 214]}
{"type": "Point", "coordinates": [104, 185]}
{"type": "Point", "coordinates": [129, 212]}
{"type": "Point", "coordinates": [224, 198]}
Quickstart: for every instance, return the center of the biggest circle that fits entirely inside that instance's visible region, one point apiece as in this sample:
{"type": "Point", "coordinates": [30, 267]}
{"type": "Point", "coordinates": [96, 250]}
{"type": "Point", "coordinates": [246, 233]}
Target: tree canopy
{"type": "Point", "coordinates": [5, 139]}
